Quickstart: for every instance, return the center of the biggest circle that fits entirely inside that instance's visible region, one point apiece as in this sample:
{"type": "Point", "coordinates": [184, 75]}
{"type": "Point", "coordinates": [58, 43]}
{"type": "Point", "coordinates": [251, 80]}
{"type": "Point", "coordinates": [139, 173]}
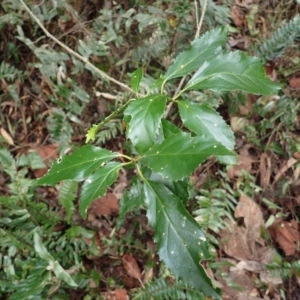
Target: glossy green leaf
{"type": "Point", "coordinates": [204, 120]}
{"type": "Point", "coordinates": [180, 154]}
{"type": "Point", "coordinates": [96, 185]}
{"type": "Point", "coordinates": [178, 188]}
{"type": "Point", "coordinates": [136, 79]}
{"type": "Point", "coordinates": [202, 49]}
{"type": "Point", "coordinates": [78, 165]}
{"type": "Point", "coordinates": [181, 242]}
{"type": "Point", "coordinates": [145, 120]}
{"type": "Point", "coordinates": [168, 128]}
{"type": "Point", "coordinates": [233, 71]}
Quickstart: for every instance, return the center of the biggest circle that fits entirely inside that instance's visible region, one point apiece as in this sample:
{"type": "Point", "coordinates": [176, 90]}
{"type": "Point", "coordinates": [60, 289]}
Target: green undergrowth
{"type": "Point", "coordinates": [51, 96]}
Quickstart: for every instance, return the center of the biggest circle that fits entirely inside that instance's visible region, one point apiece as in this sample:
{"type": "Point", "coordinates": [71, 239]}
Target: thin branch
{"type": "Point", "coordinates": [69, 50]}
{"type": "Point", "coordinates": [199, 26]}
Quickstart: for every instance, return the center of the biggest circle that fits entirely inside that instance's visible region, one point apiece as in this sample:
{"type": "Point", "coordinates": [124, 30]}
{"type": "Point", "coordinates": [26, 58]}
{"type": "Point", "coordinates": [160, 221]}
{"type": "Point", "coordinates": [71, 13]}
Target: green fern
{"type": "Point", "coordinates": [284, 269]}
{"type": "Point", "coordinates": [215, 206]}
{"type": "Point", "coordinates": [109, 131]}
{"type": "Point", "coordinates": [283, 37]}
{"type": "Point", "coordinates": [162, 289]}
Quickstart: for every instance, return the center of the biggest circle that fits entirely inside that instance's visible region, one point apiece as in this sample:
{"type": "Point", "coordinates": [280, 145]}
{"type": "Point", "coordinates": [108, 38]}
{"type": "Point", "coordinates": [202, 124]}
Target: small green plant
{"type": "Point", "coordinates": [164, 155]}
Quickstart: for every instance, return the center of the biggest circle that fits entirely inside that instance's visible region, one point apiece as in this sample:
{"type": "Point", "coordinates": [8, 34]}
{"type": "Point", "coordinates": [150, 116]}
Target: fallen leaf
{"type": "Point", "coordinates": [118, 294]}
{"type": "Point", "coordinates": [284, 168]}
{"type": "Point", "coordinates": [265, 170]}
{"type": "Point", "coordinates": [253, 219]}
{"type": "Point", "coordinates": [244, 162]}
{"type": "Point", "coordinates": [238, 16]}
{"type": "Point", "coordinates": [234, 242]}
{"type": "Point", "coordinates": [6, 136]}
{"type": "Point", "coordinates": [294, 82]}
{"type": "Point", "coordinates": [286, 234]}
{"type": "Point", "coordinates": [106, 205]}
{"type": "Point", "coordinates": [131, 267]}
{"type": "Point", "coordinates": [47, 153]}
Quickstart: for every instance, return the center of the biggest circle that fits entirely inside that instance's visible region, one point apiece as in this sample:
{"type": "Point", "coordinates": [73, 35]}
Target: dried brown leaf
{"type": "Point", "coordinates": [253, 220]}
{"type": "Point", "coordinates": [6, 136]}
{"type": "Point", "coordinates": [289, 163]}
{"type": "Point", "coordinates": [265, 170]}
{"type": "Point", "coordinates": [234, 242]}
{"type": "Point", "coordinates": [47, 153]}
{"type": "Point", "coordinates": [244, 163]}
{"type": "Point", "coordinates": [131, 267]}
{"type": "Point", "coordinates": [106, 205]}
{"type": "Point", "coordinates": [286, 235]}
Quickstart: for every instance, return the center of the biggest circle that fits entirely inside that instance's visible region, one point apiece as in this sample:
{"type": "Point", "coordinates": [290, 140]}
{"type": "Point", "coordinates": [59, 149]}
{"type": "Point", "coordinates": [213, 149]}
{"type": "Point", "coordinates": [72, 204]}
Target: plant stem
{"type": "Point", "coordinates": [69, 50]}
{"type": "Point", "coordinates": [97, 127]}
{"type": "Point", "coordinates": [199, 26]}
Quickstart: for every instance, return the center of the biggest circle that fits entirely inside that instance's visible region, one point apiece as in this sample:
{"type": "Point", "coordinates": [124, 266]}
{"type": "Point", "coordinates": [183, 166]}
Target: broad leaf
{"type": "Point", "coordinates": [178, 188]}
{"type": "Point", "coordinates": [181, 242]}
{"type": "Point", "coordinates": [204, 120]}
{"type": "Point", "coordinates": [96, 185]}
{"type": "Point", "coordinates": [233, 71]}
{"type": "Point", "coordinates": [78, 165]}
{"type": "Point", "coordinates": [180, 154]}
{"type": "Point", "coordinates": [136, 79]}
{"type": "Point", "coordinates": [202, 49]}
{"type": "Point", "coordinates": [145, 120]}
{"type": "Point", "coordinates": [168, 128]}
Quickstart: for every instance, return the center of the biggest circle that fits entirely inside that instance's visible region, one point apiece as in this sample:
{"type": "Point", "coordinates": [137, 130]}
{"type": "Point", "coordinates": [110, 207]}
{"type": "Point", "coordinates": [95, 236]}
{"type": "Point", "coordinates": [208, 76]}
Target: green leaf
{"type": "Point", "coordinates": [62, 274]}
{"type": "Point", "coordinates": [202, 49]}
{"type": "Point", "coordinates": [232, 71]}
{"type": "Point", "coordinates": [77, 166]}
{"type": "Point", "coordinates": [204, 120]}
{"type": "Point", "coordinates": [180, 154]}
{"type": "Point", "coordinates": [91, 134]}
{"type": "Point", "coordinates": [96, 185]}
{"type": "Point", "coordinates": [181, 242]}
{"type": "Point", "coordinates": [168, 128]}
{"type": "Point", "coordinates": [41, 249]}
{"type": "Point", "coordinates": [145, 120]}
{"type": "Point", "coordinates": [136, 79]}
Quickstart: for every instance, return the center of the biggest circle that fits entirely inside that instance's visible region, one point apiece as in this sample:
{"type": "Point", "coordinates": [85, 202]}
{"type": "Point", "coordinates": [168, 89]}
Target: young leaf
{"type": "Point", "coordinates": [96, 185]}
{"type": "Point", "coordinates": [202, 49]}
{"type": "Point", "coordinates": [77, 166]}
{"type": "Point", "coordinates": [181, 242]}
{"type": "Point", "coordinates": [136, 79]}
{"type": "Point", "coordinates": [180, 154]}
{"type": "Point", "coordinates": [203, 120]}
{"type": "Point", "coordinates": [232, 71]}
{"type": "Point", "coordinates": [145, 120]}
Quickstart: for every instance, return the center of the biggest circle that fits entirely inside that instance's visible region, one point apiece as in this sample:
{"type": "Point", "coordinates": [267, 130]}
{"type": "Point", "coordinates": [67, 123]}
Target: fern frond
{"type": "Point", "coordinates": [283, 37]}
{"type": "Point", "coordinates": [109, 131]}
{"type": "Point", "coordinates": [59, 127]}
{"type": "Point", "coordinates": [215, 206]}
{"type": "Point", "coordinates": [284, 269]}
{"type": "Point", "coordinates": [67, 194]}
{"type": "Point", "coordinates": [161, 289]}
